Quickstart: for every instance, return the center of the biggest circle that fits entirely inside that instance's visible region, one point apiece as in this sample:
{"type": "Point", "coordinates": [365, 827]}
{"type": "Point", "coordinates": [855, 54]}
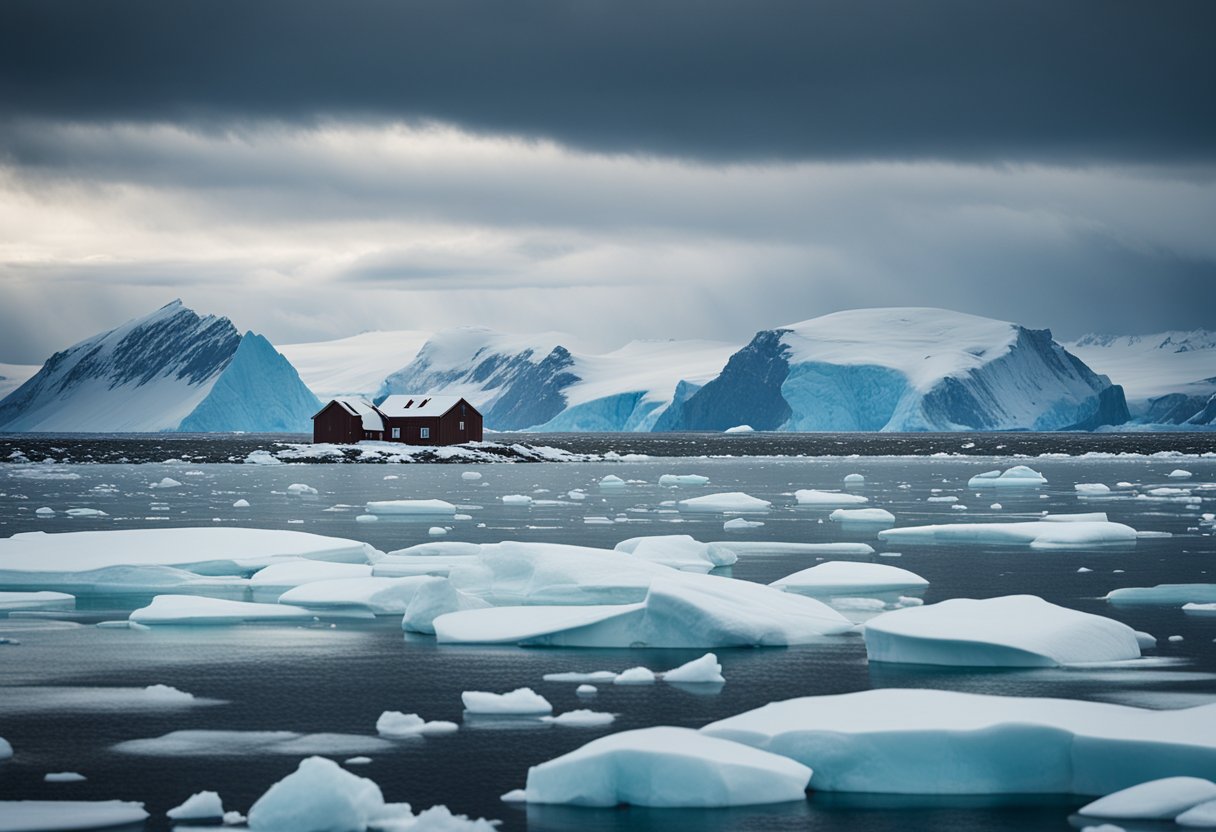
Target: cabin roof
{"type": "Point", "coordinates": [405, 405]}
{"type": "Point", "coordinates": [365, 410]}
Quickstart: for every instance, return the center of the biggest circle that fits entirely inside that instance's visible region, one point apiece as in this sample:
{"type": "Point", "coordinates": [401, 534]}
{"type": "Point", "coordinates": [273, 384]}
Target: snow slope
{"type": "Point", "coordinates": [901, 369]}
{"type": "Point", "coordinates": [1168, 377]}
{"type": "Point", "coordinates": [170, 370]}
{"type": "Point", "coordinates": [544, 381]}
{"type": "Point", "coordinates": [354, 366]}
{"type": "Point", "coordinates": [13, 376]}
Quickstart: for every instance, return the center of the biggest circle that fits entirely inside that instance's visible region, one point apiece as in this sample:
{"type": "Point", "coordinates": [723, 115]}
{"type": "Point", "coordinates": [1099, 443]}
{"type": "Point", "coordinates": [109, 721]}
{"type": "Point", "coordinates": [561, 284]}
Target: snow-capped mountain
{"type": "Point", "coordinates": [901, 370]}
{"type": "Point", "coordinates": [544, 382]}
{"type": "Point", "coordinates": [171, 370]}
{"type": "Point", "coordinates": [1169, 377]}
{"type": "Point", "coordinates": [354, 366]}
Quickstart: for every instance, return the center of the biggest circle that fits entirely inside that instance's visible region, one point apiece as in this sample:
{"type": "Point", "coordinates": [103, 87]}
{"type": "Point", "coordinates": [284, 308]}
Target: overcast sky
{"type": "Point", "coordinates": [615, 169]}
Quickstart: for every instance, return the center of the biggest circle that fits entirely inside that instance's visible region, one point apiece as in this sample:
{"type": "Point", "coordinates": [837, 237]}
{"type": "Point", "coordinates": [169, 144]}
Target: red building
{"type": "Point", "coordinates": [412, 419]}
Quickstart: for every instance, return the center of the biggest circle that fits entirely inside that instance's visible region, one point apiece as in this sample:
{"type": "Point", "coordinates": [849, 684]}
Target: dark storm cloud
{"type": "Point", "coordinates": [1050, 80]}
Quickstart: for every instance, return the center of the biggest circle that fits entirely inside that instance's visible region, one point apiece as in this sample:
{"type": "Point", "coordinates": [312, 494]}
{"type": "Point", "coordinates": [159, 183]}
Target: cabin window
{"type": "Point", "coordinates": [462, 425]}
{"type": "Point", "coordinates": [424, 433]}
{"type": "Point", "coordinates": [396, 433]}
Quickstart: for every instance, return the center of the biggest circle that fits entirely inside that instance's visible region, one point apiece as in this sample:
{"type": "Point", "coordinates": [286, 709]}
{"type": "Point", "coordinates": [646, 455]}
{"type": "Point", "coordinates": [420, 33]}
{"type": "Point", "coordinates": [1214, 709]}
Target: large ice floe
{"type": "Point", "coordinates": [1019, 476]}
{"type": "Point", "coordinates": [65, 815]}
{"type": "Point", "coordinates": [193, 609]}
{"type": "Point", "coordinates": [835, 578]}
{"type": "Point", "coordinates": [126, 559]}
{"type": "Point", "coordinates": [1010, 631]}
{"type": "Point", "coordinates": [905, 741]}
{"type": "Point", "coordinates": [1047, 533]}
{"type": "Point", "coordinates": [678, 610]}
{"type": "Point", "coordinates": [321, 796]}
{"type": "Point", "coordinates": [667, 768]}
{"type": "Point", "coordinates": [269, 583]}
{"type": "Point", "coordinates": [425, 508]}
{"type": "Point", "coordinates": [10, 601]}
{"type": "Point", "coordinates": [221, 743]}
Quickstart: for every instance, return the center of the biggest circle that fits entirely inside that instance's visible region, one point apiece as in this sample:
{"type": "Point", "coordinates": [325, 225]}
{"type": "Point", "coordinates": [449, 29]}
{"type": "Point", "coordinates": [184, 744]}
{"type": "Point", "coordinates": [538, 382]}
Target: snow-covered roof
{"type": "Point", "coordinates": [407, 404]}
{"type": "Point", "coordinates": [364, 409]}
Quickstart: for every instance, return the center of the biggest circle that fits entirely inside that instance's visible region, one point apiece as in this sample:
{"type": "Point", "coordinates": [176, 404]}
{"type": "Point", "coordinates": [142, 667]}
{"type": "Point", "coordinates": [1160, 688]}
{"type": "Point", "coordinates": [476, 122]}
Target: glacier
{"type": "Point", "coordinates": [902, 369]}
{"type": "Point", "coordinates": [171, 370]}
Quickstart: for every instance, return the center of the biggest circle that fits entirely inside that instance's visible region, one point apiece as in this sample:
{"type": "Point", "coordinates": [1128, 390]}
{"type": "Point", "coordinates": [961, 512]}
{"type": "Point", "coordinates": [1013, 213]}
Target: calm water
{"type": "Point", "coordinates": [339, 679]}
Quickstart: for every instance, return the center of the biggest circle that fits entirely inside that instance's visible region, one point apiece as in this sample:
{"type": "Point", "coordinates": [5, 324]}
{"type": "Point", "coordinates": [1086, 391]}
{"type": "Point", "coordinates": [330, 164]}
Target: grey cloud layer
{"type": "Point", "coordinates": [717, 79]}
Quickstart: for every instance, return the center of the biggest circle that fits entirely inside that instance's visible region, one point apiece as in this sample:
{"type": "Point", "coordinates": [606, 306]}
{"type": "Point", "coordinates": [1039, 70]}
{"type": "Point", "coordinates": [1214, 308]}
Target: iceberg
{"type": "Point", "coordinates": [193, 609]}
{"type": "Point", "coordinates": [1037, 534]}
{"type": "Point", "coordinates": [321, 796]}
{"type": "Point", "coordinates": [299, 489]}
{"type": "Point", "coordinates": [695, 611]}
{"type": "Point", "coordinates": [378, 596]}
{"type": "Point", "coordinates": [850, 578]}
{"type": "Point", "coordinates": [811, 497]}
{"type": "Point", "coordinates": [581, 718]}
{"type": "Point", "coordinates": [1162, 799]}
{"type": "Point", "coordinates": [732, 502]}
{"type": "Point", "coordinates": [396, 725]}
{"type": "Point", "coordinates": [518, 701]}
{"type": "Point", "coordinates": [64, 815]}
{"type": "Point", "coordinates": [668, 768]}
{"type": "Point", "coordinates": [1019, 476]}
{"type": "Point", "coordinates": [1010, 631]}
{"type": "Point", "coordinates": [429, 508]}
{"type": "Point", "coordinates": [907, 741]}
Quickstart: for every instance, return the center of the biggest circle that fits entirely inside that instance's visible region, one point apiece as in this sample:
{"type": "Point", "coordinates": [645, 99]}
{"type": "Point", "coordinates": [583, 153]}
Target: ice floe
{"type": "Point", "coordinates": [269, 583]}
{"type": "Point", "coordinates": [727, 502]}
{"type": "Point", "coordinates": [827, 499]}
{"type": "Point", "coordinates": [44, 600]}
{"type": "Point", "coordinates": [397, 725]}
{"type": "Point", "coordinates": [850, 578]}
{"type": "Point", "coordinates": [581, 718]}
{"type": "Point", "coordinates": [378, 596]}
{"type": "Point", "coordinates": [1019, 476]}
{"type": "Point", "coordinates": [1037, 534]}
{"type": "Point", "coordinates": [426, 508]}
{"type": "Point", "coordinates": [63, 777]}
{"type": "Point", "coordinates": [64, 815]}
{"type": "Point", "coordinates": [1164, 594]}
{"type": "Point", "coordinates": [219, 743]}
{"type": "Point", "coordinates": [677, 480]}
{"type": "Point", "coordinates": [1010, 631]}
{"type": "Point", "coordinates": [519, 701]}
{"type": "Point", "coordinates": [679, 551]}
{"type": "Point", "coordinates": [666, 767]}
{"type": "Point", "coordinates": [1163, 799]}
{"type": "Point", "coordinates": [862, 517]}
{"type": "Point", "coordinates": [908, 741]}
{"type": "Point", "coordinates": [192, 609]}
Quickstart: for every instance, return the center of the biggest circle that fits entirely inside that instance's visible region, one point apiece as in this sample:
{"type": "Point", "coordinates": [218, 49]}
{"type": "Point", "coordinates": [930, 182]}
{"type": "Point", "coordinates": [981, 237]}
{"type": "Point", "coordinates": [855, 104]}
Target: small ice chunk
{"type": "Point", "coordinates": [1084, 569]}
{"type": "Point", "coordinates": [470, 476]}
{"type": "Point", "coordinates": [518, 701]}
{"type": "Point", "coordinates": [198, 806]}
{"type": "Point", "coordinates": [1203, 815]}
{"type": "Point", "coordinates": [63, 777]}
{"type": "Point", "coordinates": [593, 676]}
{"type": "Point", "coordinates": [1162, 799]}
{"type": "Point", "coordinates": [740, 429]}
{"type": "Point", "coordinates": [233, 818]}
{"type": "Point", "coordinates": [515, 796]}
{"type": "Point", "coordinates": [635, 676]}
{"type": "Point", "coordinates": [1179, 474]}
{"type": "Point", "coordinates": [516, 500]}
{"type": "Point", "coordinates": [996, 506]}
{"type": "Point", "coordinates": [705, 670]}
{"type": "Point", "coordinates": [357, 761]}
{"type": "Point", "coordinates": [667, 767]}
{"type": "Point", "coordinates": [1019, 476]}
{"type": "Point", "coordinates": [86, 512]}
{"type": "Point", "coordinates": [581, 718]}
{"type": "Point", "coordinates": [366, 518]}
{"type": "Point", "coordinates": [1091, 488]}
{"type": "Point", "coordinates": [738, 524]}
{"type": "Point", "coordinates": [423, 507]}
{"type": "Point", "coordinates": [862, 517]}
{"type": "Point", "coordinates": [436, 531]}
{"type": "Point", "coordinates": [45, 511]}
{"type": "Point", "coordinates": [586, 690]}
{"type": "Point", "coordinates": [397, 725]}
{"type": "Point", "coordinates": [242, 503]}
{"type": "Point", "coordinates": [612, 481]}
{"type": "Point", "coordinates": [854, 479]}
{"type": "Point", "coordinates": [300, 489]}
{"type": "Point", "coordinates": [166, 482]}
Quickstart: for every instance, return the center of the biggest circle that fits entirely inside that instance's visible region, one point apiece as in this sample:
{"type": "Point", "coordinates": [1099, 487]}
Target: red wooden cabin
{"type": "Point", "coordinates": [412, 419]}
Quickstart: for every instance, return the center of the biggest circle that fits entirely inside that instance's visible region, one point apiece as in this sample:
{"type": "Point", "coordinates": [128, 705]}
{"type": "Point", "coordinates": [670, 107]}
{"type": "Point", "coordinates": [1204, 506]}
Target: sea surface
{"type": "Point", "coordinates": [339, 677]}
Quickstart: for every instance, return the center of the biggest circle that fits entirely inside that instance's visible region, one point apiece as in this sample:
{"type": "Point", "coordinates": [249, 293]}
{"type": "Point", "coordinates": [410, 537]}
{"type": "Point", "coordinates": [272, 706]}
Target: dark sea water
{"type": "Point", "coordinates": [339, 678]}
